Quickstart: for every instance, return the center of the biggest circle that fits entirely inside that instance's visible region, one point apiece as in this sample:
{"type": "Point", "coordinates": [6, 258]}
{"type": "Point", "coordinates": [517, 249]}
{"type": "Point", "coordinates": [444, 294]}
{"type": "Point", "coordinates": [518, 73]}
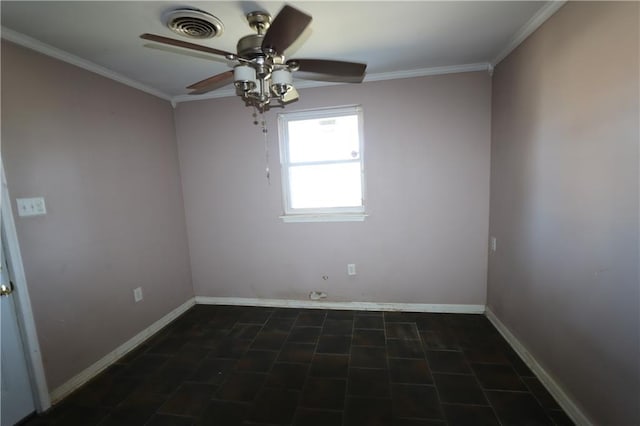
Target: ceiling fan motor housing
{"type": "Point", "coordinates": [250, 46]}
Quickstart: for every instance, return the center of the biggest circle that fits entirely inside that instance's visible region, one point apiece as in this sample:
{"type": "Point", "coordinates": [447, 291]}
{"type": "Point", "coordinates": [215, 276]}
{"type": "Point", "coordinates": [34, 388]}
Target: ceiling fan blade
{"type": "Point", "coordinates": [184, 52]}
{"type": "Point", "coordinates": [214, 82]}
{"type": "Point", "coordinates": [285, 29]}
{"type": "Point", "coordinates": [202, 91]}
{"type": "Point", "coordinates": [328, 70]}
{"type": "Point", "coordinates": [186, 45]}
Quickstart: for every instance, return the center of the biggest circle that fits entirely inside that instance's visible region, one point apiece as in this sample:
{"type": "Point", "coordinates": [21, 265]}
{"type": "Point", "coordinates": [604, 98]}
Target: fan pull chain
{"type": "Point", "coordinates": [263, 124]}
{"type": "Point", "coordinates": [266, 151]}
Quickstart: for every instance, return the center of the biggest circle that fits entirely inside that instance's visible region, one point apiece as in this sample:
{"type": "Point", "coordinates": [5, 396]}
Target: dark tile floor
{"type": "Point", "coordinates": [224, 365]}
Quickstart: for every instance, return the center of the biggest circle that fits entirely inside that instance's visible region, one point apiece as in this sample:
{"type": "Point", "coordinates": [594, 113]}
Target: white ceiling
{"type": "Point", "coordinates": [396, 39]}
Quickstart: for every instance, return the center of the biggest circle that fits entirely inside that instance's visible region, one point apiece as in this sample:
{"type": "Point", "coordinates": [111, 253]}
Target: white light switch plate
{"type": "Point", "coordinates": [351, 269]}
{"type": "Point", "coordinates": [31, 206]}
{"type": "Point", "coordinates": [137, 294]}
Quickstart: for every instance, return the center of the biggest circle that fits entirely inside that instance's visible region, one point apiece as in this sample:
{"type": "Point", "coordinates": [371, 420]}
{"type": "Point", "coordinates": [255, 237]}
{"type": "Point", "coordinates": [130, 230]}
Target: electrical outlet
{"type": "Point", "coordinates": [351, 269]}
{"type": "Point", "coordinates": [137, 294]}
{"type": "Point", "coordinates": [31, 206]}
{"type": "Point", "coordinates": [494, 244]}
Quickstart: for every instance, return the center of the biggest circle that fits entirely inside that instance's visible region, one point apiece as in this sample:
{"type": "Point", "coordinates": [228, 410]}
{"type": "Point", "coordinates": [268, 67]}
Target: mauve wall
{"type": "Point", "coordinates": [427, 147]}
{"type": "Point", "coordinates": [103, 155]}
{"type": "Point", "coordinates": [564, 204]}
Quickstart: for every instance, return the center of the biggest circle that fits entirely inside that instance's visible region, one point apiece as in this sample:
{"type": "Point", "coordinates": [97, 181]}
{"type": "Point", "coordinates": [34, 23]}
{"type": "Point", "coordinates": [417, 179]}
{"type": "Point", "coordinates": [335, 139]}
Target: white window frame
{"type": "Point", "coordinates": [334, 214]}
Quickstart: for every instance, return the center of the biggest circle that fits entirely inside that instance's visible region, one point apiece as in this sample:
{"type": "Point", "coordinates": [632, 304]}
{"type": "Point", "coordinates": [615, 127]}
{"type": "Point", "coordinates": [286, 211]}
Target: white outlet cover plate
{"type": "Point", "coordinates": [31, 206]}
{"type": "Point", "coordinates": [137, 294]}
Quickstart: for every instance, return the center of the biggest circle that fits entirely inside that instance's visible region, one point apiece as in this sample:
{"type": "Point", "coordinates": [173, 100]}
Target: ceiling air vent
{"type": "Point", "coordinates": [193, 23]}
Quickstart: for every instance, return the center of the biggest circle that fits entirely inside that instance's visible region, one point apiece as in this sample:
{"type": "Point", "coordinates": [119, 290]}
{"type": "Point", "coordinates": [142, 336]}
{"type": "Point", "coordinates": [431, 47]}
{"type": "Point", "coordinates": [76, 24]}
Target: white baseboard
{"type": "Point", "coordinates": [554, 388]}
{"type": "Point", "coordinates": [572, 410]}
{"type": "Point", "coordinates": [359, 306]}
{"type": "Point", "coordinates": [90, 372]}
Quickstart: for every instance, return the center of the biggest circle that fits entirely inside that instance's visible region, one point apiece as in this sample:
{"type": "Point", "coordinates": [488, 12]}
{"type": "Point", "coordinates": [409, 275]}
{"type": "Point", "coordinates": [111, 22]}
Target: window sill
{"type": "Point", "coordinates": [324, 217]}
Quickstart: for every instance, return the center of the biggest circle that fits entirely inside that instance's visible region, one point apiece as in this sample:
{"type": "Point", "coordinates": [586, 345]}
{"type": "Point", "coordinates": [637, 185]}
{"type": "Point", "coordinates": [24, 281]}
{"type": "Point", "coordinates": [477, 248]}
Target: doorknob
{"type": "Point", "coordinates": [6, 290]}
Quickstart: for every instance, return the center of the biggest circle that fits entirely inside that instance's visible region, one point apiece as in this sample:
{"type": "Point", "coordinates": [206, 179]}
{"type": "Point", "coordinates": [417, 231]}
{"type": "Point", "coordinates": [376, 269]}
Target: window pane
{"type": "Point", "coordinates": [324, 139]}
{"type": "Point", "coordinates": [325, 186]}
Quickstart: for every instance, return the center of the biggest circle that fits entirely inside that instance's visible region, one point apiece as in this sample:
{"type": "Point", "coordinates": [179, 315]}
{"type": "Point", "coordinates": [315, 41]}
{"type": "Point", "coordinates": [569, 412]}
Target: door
{"type": "Point", "coordinates": [16, 393]}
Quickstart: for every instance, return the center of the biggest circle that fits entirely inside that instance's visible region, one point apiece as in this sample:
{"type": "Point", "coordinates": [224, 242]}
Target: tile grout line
{"type": "Point", "coordinates": [306, 379]}
{"type": "Point", "coordinates": [167, 329]}
{"type": "Point", "coordinates": [268, 372]}
{"type": "Point", "coordinates": [546, 410]}
{"type": "Point", "coordinates": [349, 367]}
{"type": "Point", "coordinates": [386, 360]}
{"type": "Point", "coordinates": [435, 386]}
{"type": "Point", "coordinates": [236, 360]}
{"type": "Point", "coordinates": [482, 389]}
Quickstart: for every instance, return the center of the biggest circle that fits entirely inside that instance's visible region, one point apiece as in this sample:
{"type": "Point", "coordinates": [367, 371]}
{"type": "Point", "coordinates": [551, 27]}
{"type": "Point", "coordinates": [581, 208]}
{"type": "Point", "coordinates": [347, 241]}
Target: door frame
{"type": "Point", "coordinates": [22, 301]}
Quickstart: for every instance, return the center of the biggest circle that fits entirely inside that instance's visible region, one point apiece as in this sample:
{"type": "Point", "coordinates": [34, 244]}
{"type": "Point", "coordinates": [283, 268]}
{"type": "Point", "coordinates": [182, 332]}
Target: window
{"type": "Point", "coordinates": [322, 166]}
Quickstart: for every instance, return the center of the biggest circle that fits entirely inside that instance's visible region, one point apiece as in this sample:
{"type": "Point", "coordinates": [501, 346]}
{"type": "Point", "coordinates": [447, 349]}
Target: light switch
{"type": "Point", "coordinates": [31, 206]}
{"type": "Point", "coordinates": [351, 269]}
{"type": "Point", "coordinates": [137, 294]}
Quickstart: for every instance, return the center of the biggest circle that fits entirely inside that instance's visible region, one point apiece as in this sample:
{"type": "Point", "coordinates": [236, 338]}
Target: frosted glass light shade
{"type": "Point", "coordinates": [282, 76]}
{"type": "Point", "coordinates": [244, 74]}
{"type": "Point", "coordinates": [280, 81]}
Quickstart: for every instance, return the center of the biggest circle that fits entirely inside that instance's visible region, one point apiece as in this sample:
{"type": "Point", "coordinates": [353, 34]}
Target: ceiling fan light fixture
{"type": "Point", "coordinates": [262, 76]}
{"type": "Point", "coordinates": [244, 77]}
{"type": "Point", "coordinates": [281, 81]}
{"type": "Point", "coordinates": [193, 23]}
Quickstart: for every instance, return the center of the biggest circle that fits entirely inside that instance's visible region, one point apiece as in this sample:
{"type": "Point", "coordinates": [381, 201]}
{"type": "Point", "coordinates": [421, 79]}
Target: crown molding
{"type": "Point", "coordinates": [533, 24]}
{"type": "Point", "coordinates": [45, 49]}
{"type": "Point", "coordinates": [394, 75]}
{"type": "Point", "coordinates": [424, 72]}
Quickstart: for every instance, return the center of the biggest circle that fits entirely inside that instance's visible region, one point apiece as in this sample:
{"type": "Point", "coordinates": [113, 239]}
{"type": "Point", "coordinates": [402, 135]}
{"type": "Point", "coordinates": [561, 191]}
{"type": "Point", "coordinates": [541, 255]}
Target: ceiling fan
{"type": "Point", "coordinates": [261, 74]}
